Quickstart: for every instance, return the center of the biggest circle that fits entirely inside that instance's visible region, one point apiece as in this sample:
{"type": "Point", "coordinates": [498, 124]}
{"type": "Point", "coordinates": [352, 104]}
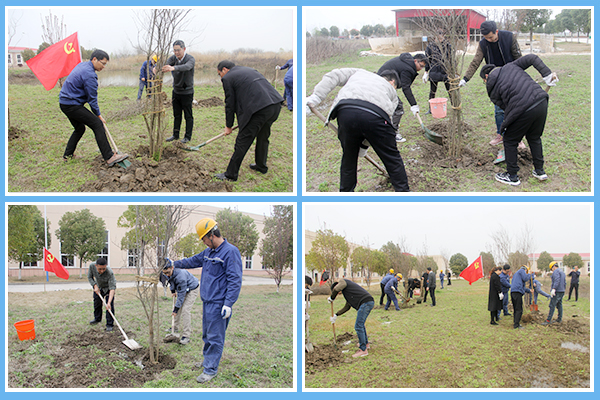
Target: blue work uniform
{"type": "Point", "coordinates": [391, 296]}
{"type": "Point", "coordinates": [220, 285]}
{"type": "Point", "coordinates": [288, 81]}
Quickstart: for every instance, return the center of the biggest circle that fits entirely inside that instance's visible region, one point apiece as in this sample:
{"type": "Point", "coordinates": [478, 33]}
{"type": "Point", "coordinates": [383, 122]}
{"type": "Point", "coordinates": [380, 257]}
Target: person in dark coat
{"type": "Point", "coordinates": [574, 282]}
{"type": "Point", "coordinates": [439, 53]}
{"type": "Point", "coordinates": [449, 275]}
{"type": "Point", "coordinates": [407, 67]}
{"type": "Point", "coordinates": [362, 301]}
{"type": "Point", "coordinates": [412, 285]}
{"type": "Point", "coordinates": [431, 285]}
{"type": "Point", "coordinates": [256, 104]}
{"type": "Point", "coordinates": [181, 66]}
{"type": "Point", "coordinates": [517, 290]}
{"type": "Point", "coordinates": [525, 106]}
{"type": "Point", "coordinates": [495, 295]}
{"type": "Point", "coordinates": [424, 291]}
{"type": "Point", "coordinates": [505, 283]}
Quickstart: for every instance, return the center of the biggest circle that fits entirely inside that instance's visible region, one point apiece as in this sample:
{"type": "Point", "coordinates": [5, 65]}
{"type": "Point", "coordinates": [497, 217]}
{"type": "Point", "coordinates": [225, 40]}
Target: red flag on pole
{"type": "Point", "coordinates": [51, 264]}
{"type": "Point", "coordinates": [474, 271]}
{"type": "Point", "coordinates": [56, 61]}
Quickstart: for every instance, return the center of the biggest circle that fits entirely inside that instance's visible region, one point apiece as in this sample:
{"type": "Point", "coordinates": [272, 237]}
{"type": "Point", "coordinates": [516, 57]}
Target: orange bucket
{"type": "Point", "coordinates": [438, 107]}
{"type": "Point", "coordinates": [25, 329]}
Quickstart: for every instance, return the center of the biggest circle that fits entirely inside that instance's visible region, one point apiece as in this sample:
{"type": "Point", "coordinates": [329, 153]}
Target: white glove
{"type": "Point", "coordinates": [462, 83]}
{"type": "Point", "coordinates": [332, 319]}
{"type": "Point", "coordinates": [226, 312]}
{"type": "Point", "coordinates": [329, 299]}
{"type": "Point", "coordinates": [308, 304]}
{"type": "Point", "coordinates": [425, 77]}
{"type": "Point", "coordinates": [308, 291]}
{"type": "Point", "coordinates": [277, 67]}
{"type": "Point", "coordinates": [306, 317]}
{"type": "Point", "coordinates": [501, 296]}
{"type": "Point", "coordinates": [414, 109]}
{"type": "Point", "coordinates": [553, 293]}
{"type": "Point", "coordinates": [362, 152]}
{"type": "Point", "coordinates": [551, 79]}
{"type": "Point", "coordinates": [312, 100]}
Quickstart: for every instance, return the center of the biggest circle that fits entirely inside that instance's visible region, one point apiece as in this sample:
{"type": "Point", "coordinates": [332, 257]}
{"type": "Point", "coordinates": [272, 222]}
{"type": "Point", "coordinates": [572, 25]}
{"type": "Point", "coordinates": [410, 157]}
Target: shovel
{"type": "Point", "coordinates": [429, 134]}
{"type": "Point", "coordinates": [196, 148]}
{"type": "Point", "coordinates": [170, 337]}
{"type": "Point", "coordinates": [125, 163]}
{"type": "Point", "coordinates": [334, 128]}
{"type": "Point", "coordinates": [132, 344]}
{"type": "Point", "coordinates": [333, 325]}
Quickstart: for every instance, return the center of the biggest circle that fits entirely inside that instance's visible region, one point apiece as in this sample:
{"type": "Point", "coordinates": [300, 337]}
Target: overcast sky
{"type": "Point", "coordinates": [357, 17]}
{"type": "Point", "coordinates": [458, 227]}
{"type": "Point", "coordinates": [112, 28]}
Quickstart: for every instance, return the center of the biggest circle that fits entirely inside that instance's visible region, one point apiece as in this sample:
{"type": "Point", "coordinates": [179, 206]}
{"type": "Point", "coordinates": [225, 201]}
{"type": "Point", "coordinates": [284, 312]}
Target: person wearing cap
{"type": "Point", "coordinates": [103, 281]}
{"type": "Point", "coordinates": [364, 108]}
{"type": "Point", "coordinates": [385, 280]}
{"type": "Point", "coordinates": [557, 292]}
{"type": "Point", "coordinates": [391, 288]}
{"type": "Point", "coordinates": [517, 290]}
{"type": "Point", "coordinates": [220, 286]}
{"type": "Point", "coordinates": [505, 284]}
{"type": "Point", "coordinates": [147, 73]}
{"type": "Point", "coordinates": [497, 47]}
{"type": "Point", "coordinates": [442, 276]}
{"type": "Point", "coordinates": [358, 298]}
{"type": "Point", "coordinates": [495, 295]}
{"type": "Point", "coordinates": [525, 106]}
{"type": "Point", "coordinates": [574, 282]}
{"type": "Point", "coordinates": [185, 287]}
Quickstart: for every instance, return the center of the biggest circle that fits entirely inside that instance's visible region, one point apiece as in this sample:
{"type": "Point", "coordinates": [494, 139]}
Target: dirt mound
{"type": "Point", "coordinates": [324, 357]}
{"type": "Point", "coordinates": [210, 102]}
{"type": "Point", "coordinates": [175, 172]}
{"type": "Point", "coordinates": [23, 78]}
{"type": "Point", "coordinates": [80, 362]}
{"type": "Point", "coordinates": [15, 133]}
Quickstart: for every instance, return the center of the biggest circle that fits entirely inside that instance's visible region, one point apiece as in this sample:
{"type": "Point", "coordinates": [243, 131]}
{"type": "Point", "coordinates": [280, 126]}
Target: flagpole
{"type": "Point", "coordinates": [45, 242]}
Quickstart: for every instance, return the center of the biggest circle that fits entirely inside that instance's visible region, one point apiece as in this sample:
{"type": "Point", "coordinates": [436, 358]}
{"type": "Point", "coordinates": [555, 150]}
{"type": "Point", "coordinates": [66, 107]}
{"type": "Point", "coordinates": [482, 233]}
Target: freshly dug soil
{"type": "Point", "coordinates": [328, 356]}
{"type": "Point", "coordinates": [76, 364]}
{"type": "Point", "coordinates": [210, 102]}
{"type": "Point", "coordinates": [176, 172]}
{"type": "Point", "coordinates": [15, 133]}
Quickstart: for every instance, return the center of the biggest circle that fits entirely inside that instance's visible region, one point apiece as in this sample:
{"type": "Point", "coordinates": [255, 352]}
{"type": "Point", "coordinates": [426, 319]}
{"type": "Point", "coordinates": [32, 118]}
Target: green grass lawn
{"type": "Point", "coordinates": [566, 138]}
{"type": "Point", "coordinates": [453, 344]}
{"type": "Point", "coordinates": [35, 158]}
{"type": "Point", "coordinates": [258, 349]}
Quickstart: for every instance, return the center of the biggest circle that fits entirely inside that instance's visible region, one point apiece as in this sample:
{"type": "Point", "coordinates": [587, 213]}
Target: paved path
{"type": "Point", "coordinates": [39, 287]}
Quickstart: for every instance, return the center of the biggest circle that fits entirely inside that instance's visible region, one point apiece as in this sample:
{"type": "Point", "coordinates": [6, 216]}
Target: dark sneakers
{"type": "Point", "coordinates": [223, 177]}
{"type": "Point", "coordinates": [505, 177]}
{"type": "Point", "coordinates": [93, 322]}
{"type": "Point", "coordinates": [108, 328]}
{"type": "Point", "coordinates": [170, 139]}
{"type": "Point", "coordinates": [255, 168]}
{"type": "Point", "coordinates": [540, 174]}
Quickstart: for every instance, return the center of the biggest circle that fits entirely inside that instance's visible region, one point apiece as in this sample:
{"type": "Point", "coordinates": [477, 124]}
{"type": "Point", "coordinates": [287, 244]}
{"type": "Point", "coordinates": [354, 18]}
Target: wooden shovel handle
{"type": "Point", "coordinates": [333, 325]}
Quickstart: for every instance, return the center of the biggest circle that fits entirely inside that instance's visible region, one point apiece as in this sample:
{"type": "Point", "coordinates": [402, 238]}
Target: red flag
{"type": "Point", "coordinates": [474, 271]}
{"type": "Point", "coordinates": [51, 264]}
{"type": "Point", "coordinates": [56, 61]}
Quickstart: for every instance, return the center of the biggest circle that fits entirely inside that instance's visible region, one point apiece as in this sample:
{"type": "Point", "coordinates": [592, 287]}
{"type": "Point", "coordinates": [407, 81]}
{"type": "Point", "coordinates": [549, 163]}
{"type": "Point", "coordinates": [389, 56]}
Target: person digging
{"type": "Point", "coordinates": [359, 299]}
{"type": "Point", "coordinates": [103, 282]}
{"type": "Point", "coordinates": [186, 289]}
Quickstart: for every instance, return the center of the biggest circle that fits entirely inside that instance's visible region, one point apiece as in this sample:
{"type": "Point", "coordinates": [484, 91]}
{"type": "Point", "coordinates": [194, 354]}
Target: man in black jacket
{"type": "Point", "coordinates": [256, 103]}
{"type": "Point", "coordinates": [359, 299]}
{"type": "Point", "coordinates": [407, 67]}
{"type": "Point", "coordinates": [439, 57]}
{"type": "Point", "coordinates": [431, 285]}
{"type": "Point", "coordinates": [525, 106]}
{"type": "Point", "coordinates": [181, 65]}
{"type": "Point", "coordinates": [574, 282]}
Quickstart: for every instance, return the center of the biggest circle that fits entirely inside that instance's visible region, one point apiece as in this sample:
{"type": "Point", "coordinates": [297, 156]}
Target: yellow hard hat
{"type": "Point", "coordinates": [552, 264]}
{"type": "Point", "coordinates": [399, 275]}
{"type": "Point", "coordinates": [204, 226]}
{"type": "Point", "coordinates": [391, 270]}
{"type": "Point", "coordinates": [154, 58]}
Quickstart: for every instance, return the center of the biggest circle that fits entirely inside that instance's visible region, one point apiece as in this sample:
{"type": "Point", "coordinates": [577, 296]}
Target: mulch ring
{"type": "Point", "coordinates": [80, 362]}
{"type": "Point", "coordinates": [15, 133]}
{"type": "Point", "coordinates": [326, 356]}
{"type": "Point", "coordinates": [176, 172]}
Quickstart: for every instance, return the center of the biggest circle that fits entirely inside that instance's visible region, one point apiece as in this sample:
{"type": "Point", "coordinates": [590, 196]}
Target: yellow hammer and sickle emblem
{"type": "Point", "coordinates": [476, 265]}
{"type": "Point", "coordinates": [50, 258]}
{"type": "Point", "coordinates": [69, 48]}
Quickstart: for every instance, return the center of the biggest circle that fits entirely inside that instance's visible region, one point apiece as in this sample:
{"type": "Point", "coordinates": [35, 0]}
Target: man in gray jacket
{"type": "Point", "coordinates": [364, 108]}
{"type": "Point", "coordinates": [557, 292]}
{"type": "Point", "coordinates": [431, 285]}
{"type": "Point", "coordinates": [186, 288]}
{"type": "Point", "coordinates": [181, 65]}
{"type": "Point", "coordinates": [103, 281]}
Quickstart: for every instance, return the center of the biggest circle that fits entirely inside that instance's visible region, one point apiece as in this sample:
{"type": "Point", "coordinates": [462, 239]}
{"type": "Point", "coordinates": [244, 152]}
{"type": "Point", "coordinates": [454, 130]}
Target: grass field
{"type": "Point", "coordinates": [566, 139]}
{"type": "Point", "coordinates": [258, 349]}
{"type": "Point", "coordinates": [453, 344]}
{"type": "Point", "coordinates": [35, 158]}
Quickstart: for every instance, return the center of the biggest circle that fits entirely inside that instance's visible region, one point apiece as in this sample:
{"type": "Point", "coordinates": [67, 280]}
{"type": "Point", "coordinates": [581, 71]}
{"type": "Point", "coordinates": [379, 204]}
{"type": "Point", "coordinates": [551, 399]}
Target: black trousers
{"type": "Point", "coordinates": [259, 128]}
{"type": "Point", "coordinates": [356, 125]}
{"type": "Point", "coordinates": [494, 315]}
{"type": "Point", "coordinates": [531, 126]}
{"type": "Point", "coordinates": [433, 88]}
{"type": "Point", "coordinates": [98, 308]}
{"type": "Point", "coordinates": [183, 102]}
{"type": "Point", "coordinates": [382, 286]}
{"type": "Point", "coordinates": [517, 301]}
{"type": "Point", "coordinates": [425, 291]}
{"type": "Point", "coordinates": [80, 117]}
{"type": "Point", "coordinates": [576, 287]}
{"type": "Point", "coordinates": [432, 294]}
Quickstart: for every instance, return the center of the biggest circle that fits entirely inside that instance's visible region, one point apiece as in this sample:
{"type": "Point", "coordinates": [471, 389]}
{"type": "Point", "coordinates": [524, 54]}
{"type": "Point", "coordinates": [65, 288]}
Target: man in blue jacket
{"type": "Point", "coordinates": [385, 280]}
{"type": "Point", "coordinates": [505, 284]}
{"type": "Point", "coordinates": [517, 290]}
{"type": "Point", "coordinates": [186, 288]}
{"type": "Point", "coordinates": [80, 87]}
{"type": "Point", "coordinates": [288, 81]}
{"type": "Point", "coordinates": [558, 288]}
{"type": "Point", "coordinates": [147, 73]}
{"type": "Point", "coordinates": [181, 65]}
{"type": "Point", "coordinates": [391, 287]}
{"type": "Point", "coordinates": [220, 286]}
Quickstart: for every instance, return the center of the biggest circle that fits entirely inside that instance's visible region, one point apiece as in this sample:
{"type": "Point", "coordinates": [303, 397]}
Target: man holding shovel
{"type": "Point", "coordinates": [254, 101]}
{"type": "Point", "coordinates": [80, 87]}
{"type": "Point", "coordinates": [362, 301]}
{"type": "Point", "coordinates": [103, 281]}
{"type": "Point", "coordinates": [220, 286]}
{"type": "Point", "coordinates": [525, 106]}
{"type": "Point", "coordinates": [185, 287]}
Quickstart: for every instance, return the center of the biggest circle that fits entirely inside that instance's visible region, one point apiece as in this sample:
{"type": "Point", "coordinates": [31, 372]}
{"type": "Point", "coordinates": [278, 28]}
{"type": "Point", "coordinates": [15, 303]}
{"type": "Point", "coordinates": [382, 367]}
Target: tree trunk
{"type": "Point", "coordinates": [455, 128]}
{"type": "Point", "coordinates": [20, 268]}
